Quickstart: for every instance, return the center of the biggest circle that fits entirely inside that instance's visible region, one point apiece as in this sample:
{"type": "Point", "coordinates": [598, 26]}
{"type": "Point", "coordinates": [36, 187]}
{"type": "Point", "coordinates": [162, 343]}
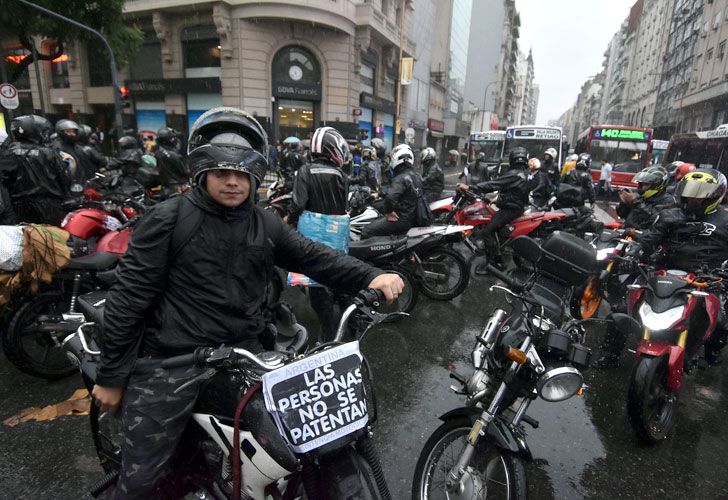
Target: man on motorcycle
{"type": "Point", "coordinates": [640, 209]}
{"type": "Point", "coordinates": [402, 198]}
{"type": "Point", "coordinates": [65, 144]}
{"type": "Point", "coordinates": [292, 161]}
{"type": "Point", "coordinates": [34, 173]}
{"type": "Point", "coordinates": [692, 236]}
{"type": "Point", "coordinates": [433, 180]}
{"type": "Point", "coordinates": [579, 178]}
{"type": "Point", "coordinates": [478, 170]}
{"type": "Point", "coordinates": [90, 159]}
{"type": "Point", "coordinates": [550, 166]}
{"type": "Point", "coordinates": [539, 184]}
{"type": "Point", "coordinates": [365, 175]}
{"type": "Point", "coordinates": [208, 291]}
{"type": "Point", "coordinates": [512, 187]}
{"type": "Point", "coordinates": [170, 163]}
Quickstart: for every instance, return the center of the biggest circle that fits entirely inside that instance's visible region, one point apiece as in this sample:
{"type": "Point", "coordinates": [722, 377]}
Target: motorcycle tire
{"type": "Point", "coordinates": [347, 476]}
{"type": "Point", "coordinates": [505, 471]}
{"type": "Point", "coordinates": [408, 299]}
{"type": "Point", "coordinates": [106, 434]}
{"type": "Point", "coordinates": [443, 263]}
{"type": "Point", "coordinates": [36, 353]}
{"type": "Point", "coordinates": [651, 406]}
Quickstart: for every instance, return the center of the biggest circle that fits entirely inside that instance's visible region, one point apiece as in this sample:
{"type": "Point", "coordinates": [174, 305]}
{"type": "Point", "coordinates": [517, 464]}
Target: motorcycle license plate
{"type": "Point", "coordinates": [318, 399]}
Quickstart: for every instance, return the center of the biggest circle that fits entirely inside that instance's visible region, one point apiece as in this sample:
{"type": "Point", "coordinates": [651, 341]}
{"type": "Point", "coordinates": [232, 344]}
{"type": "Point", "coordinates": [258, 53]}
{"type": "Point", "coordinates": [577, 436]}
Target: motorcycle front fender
{"type": "Point", "coordinates": [675, 360]}
{"type": "Point", "coordinates": [497, 430]}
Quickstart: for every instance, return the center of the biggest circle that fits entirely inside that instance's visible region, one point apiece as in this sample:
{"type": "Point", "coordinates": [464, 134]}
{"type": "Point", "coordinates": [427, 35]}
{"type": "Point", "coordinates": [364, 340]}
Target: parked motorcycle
{"type": "Point", "coordinates": [424, 260]}
{"type": "Point", "coordinates": [280, 197]}
{"type": "Point", "coordinates": [536, 350]}
{"type": "Point", "coordinates": [678, 313]}
{"type": "Point", "coordinates": [246, 407]}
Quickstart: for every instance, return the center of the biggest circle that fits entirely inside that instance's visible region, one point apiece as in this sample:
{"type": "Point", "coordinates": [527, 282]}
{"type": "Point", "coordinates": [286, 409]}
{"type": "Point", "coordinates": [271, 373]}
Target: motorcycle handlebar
{"type": "Point", "coordinates": [515, 285]}
{"type": "Point", "coordinates": [196, 358]}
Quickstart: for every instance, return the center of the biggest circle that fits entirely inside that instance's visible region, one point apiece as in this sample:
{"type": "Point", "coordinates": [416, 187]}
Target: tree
{"type": "Point", "coordinates": [105, 16]}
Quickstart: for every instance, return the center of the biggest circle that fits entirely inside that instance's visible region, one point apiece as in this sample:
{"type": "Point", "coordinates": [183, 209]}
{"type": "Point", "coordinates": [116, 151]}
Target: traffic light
{"type": "Point", "coordinates": [124, 97]}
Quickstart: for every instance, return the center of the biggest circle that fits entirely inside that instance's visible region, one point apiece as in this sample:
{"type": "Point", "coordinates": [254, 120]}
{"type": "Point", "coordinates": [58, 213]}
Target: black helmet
{"type": "Point", "coordinates": [651, 181]}
{"type": "Point", "coordinates": [237, 127]}
{"type": "Point", "coordinates": [127, 142]}
{"type": "Point", "coordinates": [518, 156]}
{"type": "Point", "coordinates": [31, 128]}
{"type": "Point", "coordinates": [167, 137]}
{"type": "Point", "coordinates": [84, 132]}
{"type": "Point", "coordinates": [62, 126]}
{"type": "Point", "coordinates": [701, 191]}
{"type": "Point", "coordinates": [329, 144]}
{"type": "Point", "coordinates": [215, 156]}
{"type": "Point", "coordinates": [584, 162]}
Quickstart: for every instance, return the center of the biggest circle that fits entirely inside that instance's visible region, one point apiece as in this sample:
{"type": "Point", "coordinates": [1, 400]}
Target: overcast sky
{"type": "Point", "coordinates": [568, 38]}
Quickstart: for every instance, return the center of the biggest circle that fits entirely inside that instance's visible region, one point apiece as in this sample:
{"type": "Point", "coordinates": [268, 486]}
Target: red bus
{"type": "Point", "coordinates": [626, 148]}
{"type": "Point", "coordinates": [705, 149]}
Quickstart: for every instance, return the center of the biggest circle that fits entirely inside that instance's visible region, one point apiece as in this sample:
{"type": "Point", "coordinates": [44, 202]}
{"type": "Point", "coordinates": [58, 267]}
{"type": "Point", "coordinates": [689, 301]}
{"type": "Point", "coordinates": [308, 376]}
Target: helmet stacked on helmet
{"type": "Point", "coordinates": [584, 161]}
{"type": "Point", "coordinates": [328, 144]}
{"type": "Point", "coordinates": [701, 191]}
{"type": "Point", "coordinates": [518, 157]}
{"type": "Point", "coordinates": [651, 181]}
{"type": "Point", "coordinates": [402, 156]}
{"type": "Point", "coordinates": [428, 154]}
{"type": "Point", "coordinates": [31, 128]}
{"type": "Point", "coordinates": [226, 138]}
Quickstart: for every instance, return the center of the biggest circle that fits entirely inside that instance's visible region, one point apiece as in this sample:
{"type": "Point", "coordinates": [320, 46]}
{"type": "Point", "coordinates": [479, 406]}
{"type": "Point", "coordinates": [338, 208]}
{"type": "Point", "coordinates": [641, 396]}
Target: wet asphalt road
{"type": "Point", "coordinates": [584, 447]}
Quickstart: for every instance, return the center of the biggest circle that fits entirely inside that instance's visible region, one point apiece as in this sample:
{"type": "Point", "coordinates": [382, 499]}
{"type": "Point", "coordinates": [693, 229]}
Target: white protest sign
{"type": "Point", "coordinates": [9, 96]}
{"type": "Point", "coordinates": [318, 399]}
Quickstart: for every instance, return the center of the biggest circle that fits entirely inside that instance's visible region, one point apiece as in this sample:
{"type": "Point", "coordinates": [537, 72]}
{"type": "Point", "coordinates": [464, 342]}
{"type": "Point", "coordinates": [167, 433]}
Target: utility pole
{"type": "Point", "coordinates": [112, 59]}
{"type": "Point", "coordinates": [399, 68]}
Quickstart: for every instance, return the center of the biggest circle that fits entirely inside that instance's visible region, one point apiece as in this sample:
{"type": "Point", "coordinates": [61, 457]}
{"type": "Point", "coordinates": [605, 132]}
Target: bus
{"type": "Point", "coordinates": [626, 148]}
{"type": "Point", "coordinates": [535, 139]}
{"type": "Point", "coordinates": [707, 149]}
{"type": "Point", "coordinates": [490, 143]}
{"type": "Point", "coordinates": [657, 151]}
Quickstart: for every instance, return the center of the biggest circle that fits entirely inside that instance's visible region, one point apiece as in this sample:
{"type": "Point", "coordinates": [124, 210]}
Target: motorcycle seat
{"type": "Point", "coordinates": [377, 245]}
{"type": "Point", "coordinates": [92, 306]}
{"type": "Point", "coordinates": [98, 261]}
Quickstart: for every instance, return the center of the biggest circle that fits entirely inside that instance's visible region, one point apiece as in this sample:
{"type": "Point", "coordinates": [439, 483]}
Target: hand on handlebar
{"type": "Point", "coordinates": [390, 284]}
{"type": "Point", "coordinates": [107, 398]}
{"type": "Point", "coordinates": [462, 187]}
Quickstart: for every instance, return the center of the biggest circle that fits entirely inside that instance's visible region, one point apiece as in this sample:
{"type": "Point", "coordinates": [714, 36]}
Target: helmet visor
{"type": "Point", "coordinates": [692, 188]}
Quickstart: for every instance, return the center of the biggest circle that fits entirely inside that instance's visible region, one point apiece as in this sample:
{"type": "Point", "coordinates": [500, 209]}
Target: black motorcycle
{"type": "Point", "coordinates": [536, 350]}
{"type": "Point", "coordinates": [250, 435]}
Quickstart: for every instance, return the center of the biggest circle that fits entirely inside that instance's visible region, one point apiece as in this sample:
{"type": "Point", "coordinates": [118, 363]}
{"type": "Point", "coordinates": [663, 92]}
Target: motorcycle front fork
{"type": "Point", "coordinates": [480, 426]}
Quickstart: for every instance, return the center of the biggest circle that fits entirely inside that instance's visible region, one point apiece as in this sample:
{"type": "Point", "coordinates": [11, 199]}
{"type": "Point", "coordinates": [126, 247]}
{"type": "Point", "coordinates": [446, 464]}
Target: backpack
{"type": "Point", "coordinates": [423, 215]}
{"type": "Point", "coordinates": [189, 220]}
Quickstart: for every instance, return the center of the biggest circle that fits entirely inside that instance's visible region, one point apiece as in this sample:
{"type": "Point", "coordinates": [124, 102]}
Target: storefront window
{"type": "Point", "coordinates": [365, 123]}
{"type": "Point", "coordinates": [201, 51]}
{"type": "Point", "coordinates": [150, 116]}
{"type": "Point", "coordinates": [388, 122]}
{"type": "Point", "coordinates": [198, 104]}
{"type": "Point", "coordinates": [367, 78]}
{"type": "Point", "coordinates": [147, 64]}
{"type": "Point", "coordinates": [295, 118]}
{"type": "Point", "coordinates": [296, 78]}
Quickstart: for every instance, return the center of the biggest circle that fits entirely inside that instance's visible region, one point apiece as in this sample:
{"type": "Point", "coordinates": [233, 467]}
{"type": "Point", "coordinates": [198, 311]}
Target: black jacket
{"type": "Point", "coordinates": [213, 290]}
{"type": "Point", "coordinates": [553, 171]}
{"type": "Point", "coordinates": [90, 160]}
{"type": "Point", "coordinates": [33, 170]}
{"type": "Point", "coordinates": [582, 179]}
{"type": "Point", "coordinates": [433, 180]}
{"type": "Point", "coordinates": [689, 245]}
{"type": "Point", "coordinates": [366, 176]}
{"type": "Point", "coordinates": [641, 213]}
{"type": "Point", "coordinates": [291, 163]}
{"type": "Point", "coordinates": [403, 194]}
{"type": "Point", "coordinates": [512, 187]}
{"type": "Point", "coordinates": [541, 187]}
{"type": "Point", "coordinates": [320, 188]}
{"type": "Point", "coordinates": [171, 166]}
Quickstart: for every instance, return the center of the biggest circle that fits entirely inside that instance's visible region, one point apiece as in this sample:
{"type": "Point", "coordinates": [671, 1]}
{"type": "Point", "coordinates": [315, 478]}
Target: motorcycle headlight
{"type": "Point", "coordinates": [559, 384]}
{"type": "Point", "coordinates": [659, 321]}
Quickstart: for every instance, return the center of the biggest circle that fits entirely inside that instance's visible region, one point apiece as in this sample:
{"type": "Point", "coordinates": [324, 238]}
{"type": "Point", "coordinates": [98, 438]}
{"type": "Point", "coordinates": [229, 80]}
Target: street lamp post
{"type": "Point", "coordinates": [485, 98]}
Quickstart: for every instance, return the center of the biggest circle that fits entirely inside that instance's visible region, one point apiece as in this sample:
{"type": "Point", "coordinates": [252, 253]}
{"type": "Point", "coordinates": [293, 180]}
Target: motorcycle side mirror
{"type": "Point", "coordinates": [527, 248]}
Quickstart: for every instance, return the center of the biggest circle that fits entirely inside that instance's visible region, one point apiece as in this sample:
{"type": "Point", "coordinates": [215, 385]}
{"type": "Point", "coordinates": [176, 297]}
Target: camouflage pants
{"type": "Point", "coordinates": [153, 419]}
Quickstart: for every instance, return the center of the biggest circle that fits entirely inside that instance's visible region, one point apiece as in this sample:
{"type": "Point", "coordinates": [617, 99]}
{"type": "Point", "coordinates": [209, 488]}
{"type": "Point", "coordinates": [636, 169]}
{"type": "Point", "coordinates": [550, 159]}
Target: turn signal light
{"type": "Point", "coordinates": [516, 355]}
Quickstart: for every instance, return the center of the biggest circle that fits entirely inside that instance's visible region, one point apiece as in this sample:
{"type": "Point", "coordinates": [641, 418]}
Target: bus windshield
{"type": "Point", "coordinates": [492, 149]}
{"type": "Point", "coordinates": [535, 147]}
{"type": "Point", "coordinates": [704, 153]}
{"type": "Point", "coordinates": [628, 153]}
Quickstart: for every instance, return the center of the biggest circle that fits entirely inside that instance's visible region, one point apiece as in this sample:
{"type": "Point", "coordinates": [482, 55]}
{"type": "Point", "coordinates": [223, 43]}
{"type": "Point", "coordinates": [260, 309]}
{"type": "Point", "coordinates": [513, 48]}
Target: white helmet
{"type": "Point", "coordinates": [428, 154]}
{"type": "Point", "coordinates": [574, 157]}
{"type": "Point", "coordinates": [551, 152]}
{"type": "Point", "coordinates": [401, 154]}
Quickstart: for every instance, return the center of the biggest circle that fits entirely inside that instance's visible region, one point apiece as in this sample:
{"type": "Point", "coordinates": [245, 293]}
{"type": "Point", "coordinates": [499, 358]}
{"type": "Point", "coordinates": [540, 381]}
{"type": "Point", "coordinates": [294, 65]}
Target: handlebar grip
{"type": "Point", "coordinates": [370, 295]}
{"type": "Point", "coordinates": [195, 358]}
{"type": "Point", "coordinates": [515, 285]}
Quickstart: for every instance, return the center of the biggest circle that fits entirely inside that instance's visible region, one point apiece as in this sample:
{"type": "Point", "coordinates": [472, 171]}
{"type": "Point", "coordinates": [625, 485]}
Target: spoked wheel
{"type": "Point", "coordinates": [492, 473]}
{"type": "Point", "coordinates": [651, 406]}
{"type": "Point", "coordinates": [586, 300]}
{"type": "Point", "coordinates": [445, 274]}
{"type": "Point", "coordinates": [106, 433]}
{"type": "Point", "coordinates": [31, 347]}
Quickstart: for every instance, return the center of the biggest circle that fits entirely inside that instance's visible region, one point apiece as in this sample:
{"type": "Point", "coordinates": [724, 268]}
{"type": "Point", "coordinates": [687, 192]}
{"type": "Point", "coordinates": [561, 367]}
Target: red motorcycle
{"type": "Point", "coordinates": [678, 313]}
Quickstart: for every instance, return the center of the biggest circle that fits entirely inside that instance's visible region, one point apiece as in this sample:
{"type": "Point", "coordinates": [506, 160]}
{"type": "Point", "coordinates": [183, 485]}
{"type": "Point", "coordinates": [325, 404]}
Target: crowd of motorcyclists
{"type": "Point", "coordinates": [676, 211]}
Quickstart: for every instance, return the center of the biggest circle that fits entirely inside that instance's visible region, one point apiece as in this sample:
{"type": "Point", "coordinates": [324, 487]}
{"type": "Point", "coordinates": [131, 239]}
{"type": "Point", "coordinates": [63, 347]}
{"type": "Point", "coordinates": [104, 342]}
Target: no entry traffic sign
{"type": "Point", "coordinates": [8, 96]}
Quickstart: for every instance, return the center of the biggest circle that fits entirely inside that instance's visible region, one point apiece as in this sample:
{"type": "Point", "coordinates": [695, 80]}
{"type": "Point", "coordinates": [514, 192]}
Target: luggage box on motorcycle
{"type": "Point", "coordinates": [568, 258]}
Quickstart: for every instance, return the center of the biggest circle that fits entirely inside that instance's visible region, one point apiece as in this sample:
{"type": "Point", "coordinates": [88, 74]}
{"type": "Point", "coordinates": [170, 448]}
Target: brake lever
{"type": "Point", "coordinates": [206, 375]}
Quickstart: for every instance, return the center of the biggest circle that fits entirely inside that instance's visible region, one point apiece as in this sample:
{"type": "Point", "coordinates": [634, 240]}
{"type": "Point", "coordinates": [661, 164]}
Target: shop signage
{"type": "Point", "coordinates": [174, 86]}
{"type": "Point", "coordinates": [418, 124]}
{"type": "Point", "coordinates": [435, 125]}
{"type": "Point", "coordinates": [356, 112]}
{"type": "Point", "coordinates": [712, 134]}
{"type": "Point", "coordinates": [367, 100]}
{"type": "Point", "coordinates": [618, 133]}
{"type": "Point", "coordinates": [535, 133]}
{"type": "Point", "coordinates": [297, 91]}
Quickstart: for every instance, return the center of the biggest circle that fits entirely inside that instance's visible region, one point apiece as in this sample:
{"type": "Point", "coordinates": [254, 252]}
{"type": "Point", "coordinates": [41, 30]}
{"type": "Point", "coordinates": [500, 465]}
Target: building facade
{"type": "Point", "coordinates": [508, 65]}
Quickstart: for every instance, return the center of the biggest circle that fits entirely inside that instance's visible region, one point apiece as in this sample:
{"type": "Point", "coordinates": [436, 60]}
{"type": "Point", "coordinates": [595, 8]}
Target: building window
{"type": "Point", "coordinates": [13, 57]}
{"type": "Point", "coordinates": [721, 50]}
{"type": "Point", "coordinates": [366, 74]}
{"type": "Point", "coordinates": [385, 7]}
{"type": "Point", "coordinates": [99, 70]}
{"type": "Point", "coordinates": [147, 64]}
{"type": "Point", "coordinates": [709, 55]}
{"type": "Point", "coordinates": [201, 52]}
{"type": "Point", "coordinates": [59, 68]}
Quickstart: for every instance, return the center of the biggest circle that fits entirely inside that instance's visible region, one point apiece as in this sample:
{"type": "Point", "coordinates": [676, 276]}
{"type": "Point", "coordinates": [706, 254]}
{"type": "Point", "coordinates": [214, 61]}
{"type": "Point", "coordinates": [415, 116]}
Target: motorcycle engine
{"type": "Point", "coordinates": [477, 387]}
